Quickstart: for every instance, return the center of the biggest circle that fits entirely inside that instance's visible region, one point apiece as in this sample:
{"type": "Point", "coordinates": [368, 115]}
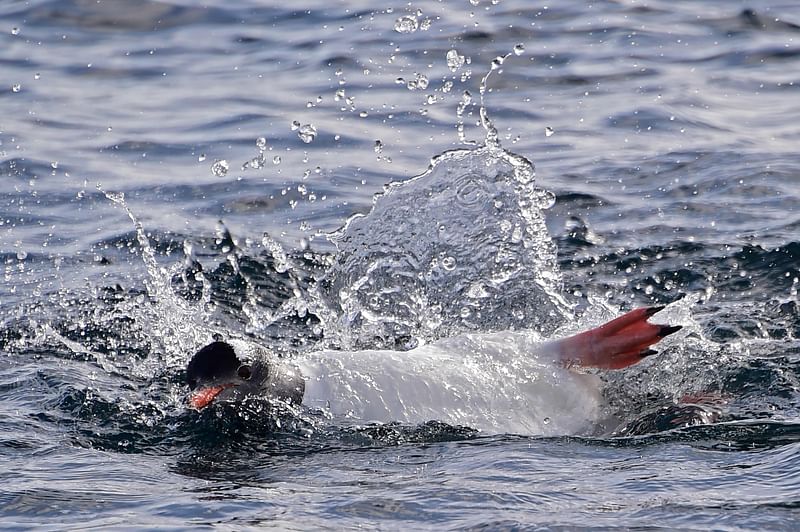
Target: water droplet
{"type": "Point", "coordinates": [255, 162]}
{"type": "Point", "coordinates": [261, 143]}
{"type": "Point", "coordinates": [420, 82]}
{"type": "Point", "coordinates": [296, 124]}
{"type": "Point", "coordinates": [220, 168]}
{"type": "Point", "coordinates": [447, 86]}
{"type": "Point", "coordinates": [338, 95]}
{"type": "Point", "coordinates": [276, 160]}
{"type": "Point", "coordinates": [307, 133]}
{"type": "Point", "coordinates": [545, 199]}
{"type": "Point", "coordinates": [548, 131]}
{"type": "Point", "coordinates": [406, 24]}
{"type": "Point", "coordinates": [497, 62]}
{"type": "Point", "coordinates": [454, 60]}
{"type": "Point", "coordinates": [54, 165]}
{"type": "Point", "coordinates": [546, 421]}
{"type": "Point", "coordinates": [16, 87]}
{"type": "Point", "coordinates": [22, 254]}
{"type": "Point", "coordinates": [200, 158]}
{"type": "Point", "coordinates": [363, 114]}
{"type": "Point", "coordinates": [519, 49]}
{"type": "Point", "coordinates": [37, 76]}
{"type": "Point", "coordinates": [378, 146]}
{"type": "Point", "coordinates": [425, 24]}
{"type": "Point", "coordinates": [14, 31]}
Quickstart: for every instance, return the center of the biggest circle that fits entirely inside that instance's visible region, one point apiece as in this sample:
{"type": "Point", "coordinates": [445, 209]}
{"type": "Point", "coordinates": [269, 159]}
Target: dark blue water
{"type": "Point", "coordinates": [668, 132]}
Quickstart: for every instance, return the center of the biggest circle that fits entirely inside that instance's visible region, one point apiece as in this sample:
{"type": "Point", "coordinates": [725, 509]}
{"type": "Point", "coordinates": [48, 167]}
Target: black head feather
{"type": "Point", "coordinates": [214, 361]}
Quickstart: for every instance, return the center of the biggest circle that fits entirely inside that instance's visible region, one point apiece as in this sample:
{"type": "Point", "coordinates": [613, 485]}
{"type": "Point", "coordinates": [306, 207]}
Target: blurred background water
{"type": "Point", "coordinates": [239, 133]}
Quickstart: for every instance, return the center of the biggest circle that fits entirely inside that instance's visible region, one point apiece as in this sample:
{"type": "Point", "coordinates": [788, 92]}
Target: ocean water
{"type": "Point", "coordinates": [175, 170]}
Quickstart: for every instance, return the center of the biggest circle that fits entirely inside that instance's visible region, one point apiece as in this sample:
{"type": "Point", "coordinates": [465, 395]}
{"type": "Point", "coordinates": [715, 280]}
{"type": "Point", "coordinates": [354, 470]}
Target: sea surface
{"type": "Point", "coordinates": [174, 170]}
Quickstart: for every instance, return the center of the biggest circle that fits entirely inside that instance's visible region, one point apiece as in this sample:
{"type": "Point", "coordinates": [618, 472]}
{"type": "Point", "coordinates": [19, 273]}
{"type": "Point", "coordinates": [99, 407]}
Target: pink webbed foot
{"type": "Point", "coordinates": [617, 344]}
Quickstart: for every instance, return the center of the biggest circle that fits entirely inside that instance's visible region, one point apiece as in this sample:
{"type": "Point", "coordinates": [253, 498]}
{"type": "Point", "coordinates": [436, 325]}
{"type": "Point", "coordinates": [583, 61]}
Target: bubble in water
{"type": "Point", "coordinates": [546, 421]}
{"type": "Point", "coordinates": [220, 168]}
{"type": "Point", "coordinates": [37, 76]}
{"type": "Point", "coordinates": [425, 25]}
{"type": "Point", "coordinates": [14, 31]}
{"type": "Point", "coordinates": [519, 49]}
{"type": "Point", "coordinates": [406, 24]}
{"type": "Point", "coordinates": [338, 95]}
{"type": "Point", "coordinates": [378, 146]}
{"type": "Point", "coordinates": [201, 157]}
{"type": "Point", "coordinates": [54, 165]}
{"type": "Point", "coordinates": [307, 133]}
{"type": "Point", "coordinates": [454, 60]}
{"type": "Point", "coordinates": [276, 160]}
{"type": "Point", "coordinates": [296, 124]}
{"type": "Point", "coordinates": [16, 87]}
{"type": "Point", "coordinates": [449, 263]}
{"type": "Point", "coordinates": [261, 143]}
{"type": "Point", "coordinates": [548, 131]}
{"type": "Point", "coordinates": [22, 254]}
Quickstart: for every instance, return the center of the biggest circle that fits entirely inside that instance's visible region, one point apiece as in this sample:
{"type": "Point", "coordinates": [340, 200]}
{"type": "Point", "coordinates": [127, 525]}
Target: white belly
{"type": "Point", "coordinates": [496, 383]}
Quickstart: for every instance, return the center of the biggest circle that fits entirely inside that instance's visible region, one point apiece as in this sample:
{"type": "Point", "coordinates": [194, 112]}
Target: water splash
{"type": "Point", "coordinates": [176, 325]}
{"type": "Point", "coordinates": [454, 61]}
{"type": "Point", "coordinates": [461, 247]}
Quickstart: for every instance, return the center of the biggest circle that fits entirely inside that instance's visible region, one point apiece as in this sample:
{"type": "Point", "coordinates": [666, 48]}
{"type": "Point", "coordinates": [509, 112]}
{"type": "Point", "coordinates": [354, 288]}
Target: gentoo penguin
{"type": "Point", "coordinates": [496, 382]}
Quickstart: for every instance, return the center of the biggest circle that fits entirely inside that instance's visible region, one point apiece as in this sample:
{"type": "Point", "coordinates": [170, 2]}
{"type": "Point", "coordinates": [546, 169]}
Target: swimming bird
{"type": "Point", "coordinates": [506, 382]}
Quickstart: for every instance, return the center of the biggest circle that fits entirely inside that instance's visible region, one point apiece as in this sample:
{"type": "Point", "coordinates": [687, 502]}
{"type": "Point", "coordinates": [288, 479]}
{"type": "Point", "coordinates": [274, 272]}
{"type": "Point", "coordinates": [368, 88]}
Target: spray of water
{"type": "Point", "coordinates": [462, 247]}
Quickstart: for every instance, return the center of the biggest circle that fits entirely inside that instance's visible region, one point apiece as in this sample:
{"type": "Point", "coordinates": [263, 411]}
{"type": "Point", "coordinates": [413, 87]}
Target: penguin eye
{"type": "Point", "coordinates": [244, 372]}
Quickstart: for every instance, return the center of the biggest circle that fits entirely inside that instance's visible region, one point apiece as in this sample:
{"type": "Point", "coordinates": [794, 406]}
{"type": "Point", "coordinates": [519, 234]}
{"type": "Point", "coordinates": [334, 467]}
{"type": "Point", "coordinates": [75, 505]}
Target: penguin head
{"type": "Point", "coordinates": [216, 372]}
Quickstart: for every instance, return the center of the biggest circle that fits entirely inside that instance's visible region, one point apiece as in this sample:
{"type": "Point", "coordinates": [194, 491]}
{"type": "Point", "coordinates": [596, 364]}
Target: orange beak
{"type": "Point", "coordinates": [201, 398]}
